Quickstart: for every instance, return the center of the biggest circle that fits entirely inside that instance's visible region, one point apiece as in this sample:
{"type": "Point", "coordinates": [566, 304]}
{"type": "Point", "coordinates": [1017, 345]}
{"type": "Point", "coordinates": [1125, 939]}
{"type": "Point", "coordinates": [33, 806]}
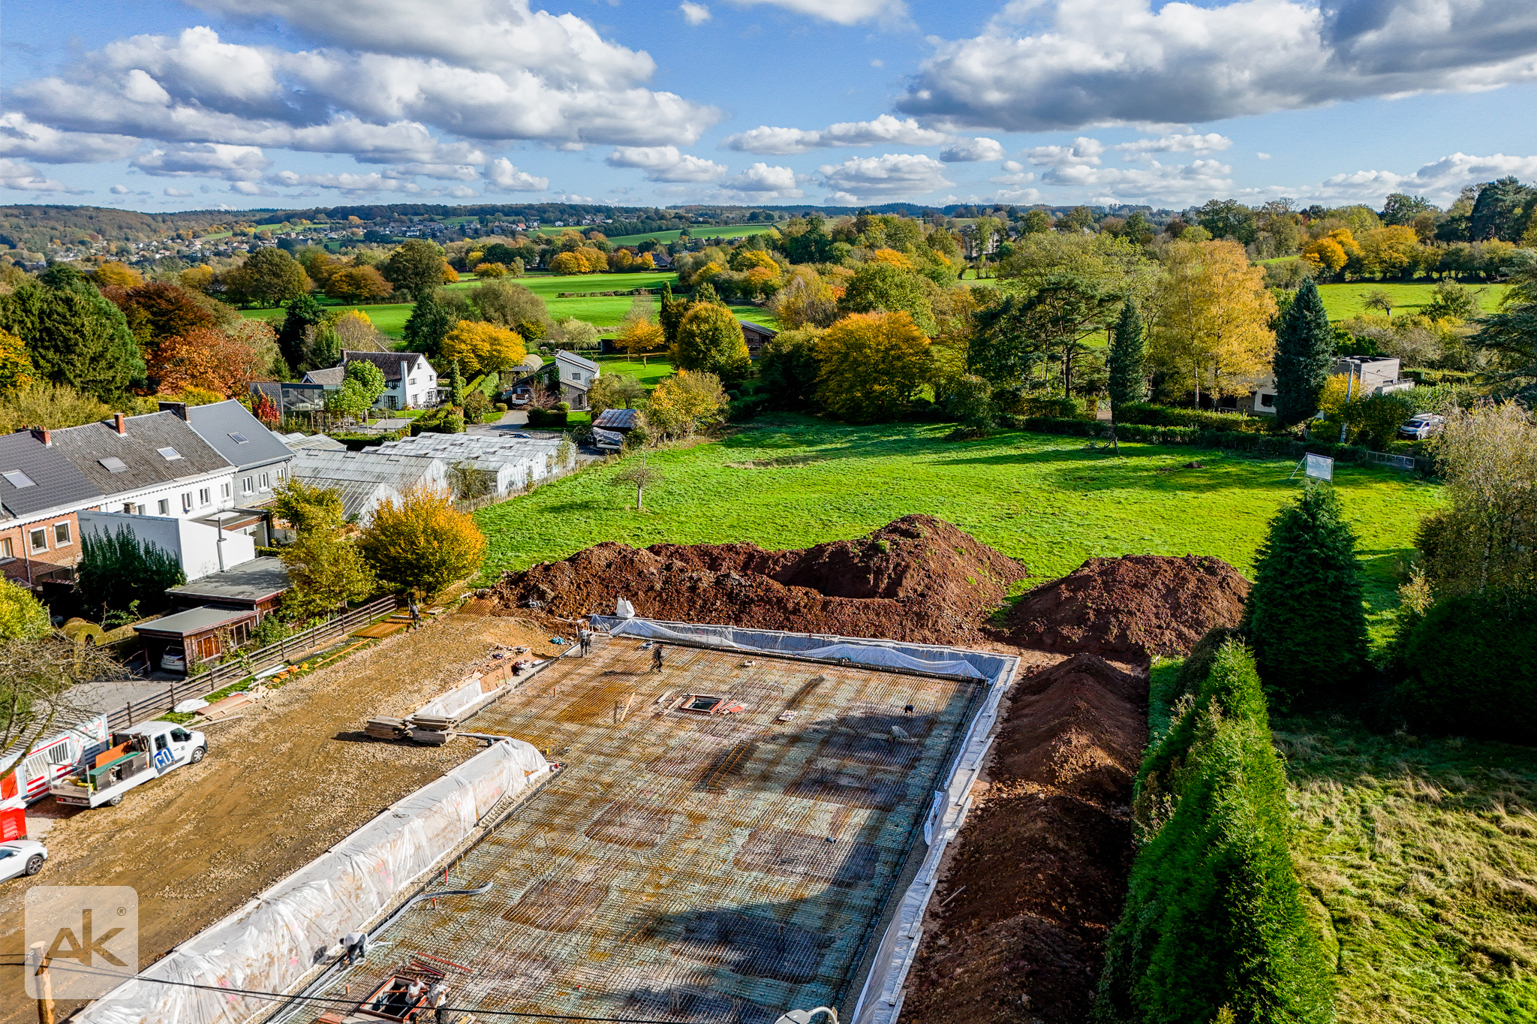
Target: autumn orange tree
{"type": "Point", "coordinates": [872, 365]}
{"type": "Point", "coordinates": [422, 544]}
{"type": "Point", "coordinates": [357, 284]}
{"type": "Point", "coordinates": [208, 358]}
{"type": "Point", "coordinates": [1211, 331]}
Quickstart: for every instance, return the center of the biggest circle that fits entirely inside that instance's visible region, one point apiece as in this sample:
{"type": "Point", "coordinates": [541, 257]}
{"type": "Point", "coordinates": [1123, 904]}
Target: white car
{"type": "Point", "coordinates": [1422, 426]}
{"type": "Point", "coordinates": [21, 857]}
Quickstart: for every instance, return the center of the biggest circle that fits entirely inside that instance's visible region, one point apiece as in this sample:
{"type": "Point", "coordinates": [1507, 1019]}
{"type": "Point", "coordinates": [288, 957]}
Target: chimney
{"type": "Point", "coordinates": [121, 424]}
{"type": "Point", "coordinates": [42, 434]}
{"type": "Point", "coordinates": [179, 408]}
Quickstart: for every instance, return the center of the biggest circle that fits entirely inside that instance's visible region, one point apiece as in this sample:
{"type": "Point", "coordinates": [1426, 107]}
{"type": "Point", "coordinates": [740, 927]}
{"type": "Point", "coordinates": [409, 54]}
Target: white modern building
{"type": "Point", "coordinates": [410, 381]}
{"type": "Point", "coordinates": [576, 377]}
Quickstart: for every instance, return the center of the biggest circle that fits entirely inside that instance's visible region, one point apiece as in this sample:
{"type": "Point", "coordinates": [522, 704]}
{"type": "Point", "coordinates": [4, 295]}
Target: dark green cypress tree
{"type": "Point", "coordinates": [427, 326]}
{"type": "Point", "coordinates": [293, 338]}
{"type": "Point", "coordinates": [455, 385]}
{"type": "Point", "coordinates": [1304, 356]}
{"type": "Point", "coordinates": [670, 317]}
{"type": "Point", "coordinates": [1126, 361]}
{"type": "Point", "coordinates": [1304, 615]}
{"type": "Point", "coordinates": [1214, 915]}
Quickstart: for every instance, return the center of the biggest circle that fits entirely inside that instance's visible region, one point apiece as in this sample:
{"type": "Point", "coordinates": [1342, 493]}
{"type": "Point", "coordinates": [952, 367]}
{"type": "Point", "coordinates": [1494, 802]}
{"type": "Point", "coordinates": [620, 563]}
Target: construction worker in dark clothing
{"type": "Point", "coordinates": [584, 637]}
{"type": "Point", "coordinates": [656, 658]}
{"type": "Point", "coordinates": [416, 614]}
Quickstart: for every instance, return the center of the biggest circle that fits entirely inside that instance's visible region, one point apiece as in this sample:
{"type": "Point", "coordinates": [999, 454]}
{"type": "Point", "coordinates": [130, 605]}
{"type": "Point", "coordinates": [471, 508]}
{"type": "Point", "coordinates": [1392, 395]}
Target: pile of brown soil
{"type": "Point", "coordinates": [1016, 930]}
{"type": "Point", "coordinates": [1134, 606]}
{"type": "Point", "coordinates": [918, 579]}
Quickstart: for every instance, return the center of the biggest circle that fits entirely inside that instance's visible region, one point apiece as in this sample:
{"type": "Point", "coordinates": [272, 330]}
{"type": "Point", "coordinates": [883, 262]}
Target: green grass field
{"type": "Point", "coordinates": [598, 310]}
{"type": "Point", "coordinates": [1343, 301]}
{"type": "Point", "coordinates": [649, 373]}
{"type": "Point", "coordinates": [1044, 500]}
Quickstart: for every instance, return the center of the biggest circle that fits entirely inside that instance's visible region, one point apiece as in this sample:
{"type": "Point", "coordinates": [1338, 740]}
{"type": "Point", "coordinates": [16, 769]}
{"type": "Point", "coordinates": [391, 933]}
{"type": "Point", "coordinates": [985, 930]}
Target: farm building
{"type": "Point", "coordinates": [506, 464]}
{"type": "Point", "coordinates": [366, 479]}
{"type": "Point", "coordinates": [576, 377]}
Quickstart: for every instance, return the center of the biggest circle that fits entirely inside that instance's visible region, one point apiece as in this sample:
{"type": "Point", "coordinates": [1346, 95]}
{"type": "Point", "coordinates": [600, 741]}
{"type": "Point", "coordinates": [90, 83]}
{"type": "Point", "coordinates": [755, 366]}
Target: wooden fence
{"type": "Point", "coordinates": [248, 664]}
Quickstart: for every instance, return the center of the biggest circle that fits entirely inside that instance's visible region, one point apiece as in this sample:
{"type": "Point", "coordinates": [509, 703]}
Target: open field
{"type": "Point", "coordinates": [649, 373]}
{"type": "Point", "coordinates": [795, 481]}
{"type": "Point", "coordinates": [598, 310]}
{"type": "Point", "coordinates": [1343, 301]}
{"type": "Point", "coordinates": [282, 783]}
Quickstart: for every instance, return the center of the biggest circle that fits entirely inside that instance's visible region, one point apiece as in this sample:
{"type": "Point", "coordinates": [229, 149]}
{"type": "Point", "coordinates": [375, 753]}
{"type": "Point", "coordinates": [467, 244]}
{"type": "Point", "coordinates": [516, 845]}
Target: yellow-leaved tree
{"type": "Point", "coordinates": [872, 365]}
{"type": "Point", "coordinates": [422, 544]}
{"type": "Point", "coordinates": [567, 263]}
{"type": "Point", "coordinates": [16, 369]}
{"type": "Point", "coordinates": [115, 274]}
{"type": "Point", "coordinates": [483, 348]}
{"type": "Point", "coordinates": [684, 403]}
{"type": "Point", "coordinates": [1211, 326]}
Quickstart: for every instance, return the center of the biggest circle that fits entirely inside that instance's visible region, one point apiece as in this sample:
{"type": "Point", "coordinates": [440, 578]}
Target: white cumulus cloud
{"type": "Point", "coordinates": [1209, 143]}
{"type": "Point", "coordinates": [20, 137]}
{"type": "Point", "coordinates": [694, 14]}
{"type": "Point", "coordinates": [840, 12]}
{"type": "Point", "coordinates": [205, 159]}
{"type": "Point", "coordinates": [666, 163]}
{"type": "Point", "coordinates": [1054, 64]}
{"type": "Point", "coordinates": [975, 150]}
{"type": "Point", "coordinates": [501, 174]}
{"type": "Point", "coordinates": [884, 130]}
{"type": "Point", "coordinates": [25, 178]}
{"type": "Point", "coordinates": [888, 175]}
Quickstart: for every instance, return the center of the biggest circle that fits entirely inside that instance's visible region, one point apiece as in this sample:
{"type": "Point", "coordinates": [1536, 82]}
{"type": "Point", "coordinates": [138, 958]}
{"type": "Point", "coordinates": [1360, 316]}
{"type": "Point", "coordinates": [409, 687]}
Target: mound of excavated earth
{"type": "Point", "coordinates": [1135, 606]}
{"type": "Point", "coordinates": [1016, 929]}
{"type": "Point", "coordinates": [918, 579]}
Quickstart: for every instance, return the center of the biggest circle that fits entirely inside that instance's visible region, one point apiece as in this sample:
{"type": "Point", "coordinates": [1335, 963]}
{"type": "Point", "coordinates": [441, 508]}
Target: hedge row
{"type": "Point", "coordinates": [546, 417]}
{"type": "Point", "coordinates": [1202, 419]}
{"type": "Point", "coordinates": [1470, 666]}
{"type": "Point", "coordinates": [1274, 445]}
{"type": "Point", "coordinates": [1215, 925]}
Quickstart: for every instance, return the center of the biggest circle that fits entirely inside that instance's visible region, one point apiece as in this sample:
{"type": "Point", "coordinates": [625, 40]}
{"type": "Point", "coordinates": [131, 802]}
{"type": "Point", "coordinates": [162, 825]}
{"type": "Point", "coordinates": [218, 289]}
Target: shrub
{"type": "Point", "coordinates": [1214, 920]}
{"type": "Point", "coordinates": [117, 569]}
{"type": "Point", "coordinates": [1470, 666]}
{"type": "Point", "coordinates": [1304, 614]}
{"type": "Point", "coordinates": [422, 544]}
{"type": "Point", "coordinates": [22, 616]}
{"type": "Point", "coordinates": [546, 418]}
{"type": "Point", "coordinates": [1163, 416]}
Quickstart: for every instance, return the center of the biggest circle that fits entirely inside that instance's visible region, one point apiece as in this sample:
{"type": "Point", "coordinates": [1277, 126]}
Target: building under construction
{"type": "Point", "coordinates": [755, 826]}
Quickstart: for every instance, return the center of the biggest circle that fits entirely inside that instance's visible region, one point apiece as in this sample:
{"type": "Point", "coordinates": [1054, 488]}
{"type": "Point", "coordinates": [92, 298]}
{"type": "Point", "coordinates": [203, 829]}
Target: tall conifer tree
{"type": "Point", "coordinates": [1304, 356]}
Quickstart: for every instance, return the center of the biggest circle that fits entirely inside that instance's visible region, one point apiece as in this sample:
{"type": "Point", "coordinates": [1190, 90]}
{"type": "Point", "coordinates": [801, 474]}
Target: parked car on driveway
{"type": "Point", "coordinates": [21, 857]}
{"type": "Point", "coordinates": [1419, 427]}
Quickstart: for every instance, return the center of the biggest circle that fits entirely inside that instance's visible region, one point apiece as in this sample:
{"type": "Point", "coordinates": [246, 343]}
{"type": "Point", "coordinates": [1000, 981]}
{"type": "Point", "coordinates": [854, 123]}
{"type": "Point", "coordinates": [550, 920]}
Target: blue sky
{"type": "Point", "coordinates": [159, 105]}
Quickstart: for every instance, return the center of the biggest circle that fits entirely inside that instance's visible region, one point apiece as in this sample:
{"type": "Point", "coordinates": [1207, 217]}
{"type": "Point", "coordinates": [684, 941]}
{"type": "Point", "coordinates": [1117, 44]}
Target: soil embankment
{"type": "Point", "coordinates": [918, 579]}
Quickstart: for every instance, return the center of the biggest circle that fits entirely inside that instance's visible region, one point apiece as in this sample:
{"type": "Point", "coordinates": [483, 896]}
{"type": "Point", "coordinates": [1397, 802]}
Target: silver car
{"type": "Point", "coordinates": [21, 857]}
{"type": "Point", "coordinates": [1419, 427]}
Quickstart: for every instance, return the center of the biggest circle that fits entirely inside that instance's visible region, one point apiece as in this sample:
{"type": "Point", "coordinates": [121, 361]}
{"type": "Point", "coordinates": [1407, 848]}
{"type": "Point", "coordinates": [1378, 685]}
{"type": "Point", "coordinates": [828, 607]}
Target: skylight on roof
{"type": "Point", "coordinates": [17, 479]}
{"type": "Point", "coordinates": [113, 464]}
{"type": "Point", "coordinates": [239, 438]}
{"type": "Point", "coordinates": [169, 454]}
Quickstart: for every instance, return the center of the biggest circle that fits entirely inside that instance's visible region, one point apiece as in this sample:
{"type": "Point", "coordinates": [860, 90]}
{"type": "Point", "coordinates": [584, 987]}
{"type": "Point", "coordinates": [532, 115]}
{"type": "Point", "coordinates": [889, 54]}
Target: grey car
{"type": "Point", "coordinates": [1419, 427]}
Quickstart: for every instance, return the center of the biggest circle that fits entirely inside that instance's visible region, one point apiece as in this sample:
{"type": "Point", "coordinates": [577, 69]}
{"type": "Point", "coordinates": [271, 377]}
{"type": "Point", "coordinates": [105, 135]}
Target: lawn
{"type": "Point", "coordinates": [649, 373]}
{"type": "Point", "coordinates": [1045, 500]}
{"type": "Point", "coordinates": [1343, 301]}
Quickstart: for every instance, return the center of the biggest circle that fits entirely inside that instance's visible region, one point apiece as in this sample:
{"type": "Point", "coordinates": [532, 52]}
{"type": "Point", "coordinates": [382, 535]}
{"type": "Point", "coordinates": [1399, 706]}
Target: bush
{"type": "Point", "coordinates": [1214, 925]}
{"type": "Point", "coordinates": [22, 616]}
{"type": "Point", "coordinates": [546, 418]}
{"type": "Point", "coordinates": [1471, 667]}
{"type": "Point", "coordinates": [1304, 615]}
{"type": "Point", "coordinates": [118, 569]}
{"type": "Point", "coordinates": [422, 544]}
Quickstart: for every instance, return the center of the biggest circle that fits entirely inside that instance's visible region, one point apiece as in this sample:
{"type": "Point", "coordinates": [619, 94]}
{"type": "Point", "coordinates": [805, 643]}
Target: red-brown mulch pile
{"type": "Point", "coordinates": [918, 579]}
{"type": "Point", "coordinates": [1017, 927]}
{"type": "Point", "coordinates": [1135, 606]}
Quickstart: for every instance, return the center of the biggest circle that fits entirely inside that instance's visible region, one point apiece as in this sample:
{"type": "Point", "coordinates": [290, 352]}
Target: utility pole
{"type": "Point", "coordinates": [38, 957]}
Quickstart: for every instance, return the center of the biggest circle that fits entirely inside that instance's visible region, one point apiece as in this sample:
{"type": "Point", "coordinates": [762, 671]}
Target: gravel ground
{"type": "Point", "coordinates": [281, 784]}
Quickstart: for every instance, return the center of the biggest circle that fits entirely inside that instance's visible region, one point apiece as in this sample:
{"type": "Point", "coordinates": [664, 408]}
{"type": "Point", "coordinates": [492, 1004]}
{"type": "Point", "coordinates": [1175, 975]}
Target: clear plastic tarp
{"type": "Point", "coordinates": [269, 944]}
{"type": "Point", "coordinates": [945, 661]}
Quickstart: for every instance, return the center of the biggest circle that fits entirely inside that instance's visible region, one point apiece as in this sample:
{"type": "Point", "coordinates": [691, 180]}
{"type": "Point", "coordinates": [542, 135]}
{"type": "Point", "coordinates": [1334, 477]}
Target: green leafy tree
{"type": "Point", "coordinates": [302, 316]}
{"type": "Point", "coordinates": [422, 544]}
{"type": "Point", "coordinates": [351, 399]}
{"type": "Point", "coordinates": [1304, 615]}
{"type": "Point", "coordinates": [615, 391]}
{"type": "Point", "coordinates": [416, 268]}
{"type": "Point", "coordinates": [969, 400]}
{"type": "Point", "coordinates": [710, 340]}
{"type": "Point", "coordinates": [1035, 222]}
{"type": "Point", "coordinates": [1228, 218]}
{"type": "Point", "coordinates": [455, 385]}
{"type": "Point", "coordinates": [1304, 356]}
{"type": "Point", "coordinates": [49, 405]}
{"type": "Point", "coordinates": [1127, 361]}
{"type": "Point", "coordinates": [326, 569]}
{"type": "Point", "coordinates": [788, 367]}
{"type": "Point", "coordinates": [268, 277]}
{"type": "Point", "coordinates": [512, 306]}
{"type": "Point", "coordinates": [75, 337]}
{"type": "Point", "coordinates": [883, 287]}
{"type": "Point", "coordinates": [369, 377]}
{"type": "Point", "coordinates": [429, 323]}
{"type": "Point", "coordinates": [1215, 926]}
{"type": "Point", "coordinates": [117, 570]}
{"type": "Point", "coordinates": [309, 508]}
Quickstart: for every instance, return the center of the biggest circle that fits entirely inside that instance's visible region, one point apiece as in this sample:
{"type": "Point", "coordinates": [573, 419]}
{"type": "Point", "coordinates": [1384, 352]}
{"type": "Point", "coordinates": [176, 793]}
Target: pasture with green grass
{"type": "Point", "coordinates": [598, 310]}
{"type": "Point", "coordinates": [1343, 301]}
{"type": "Point", "coordinates": [649, 373]}
{"type": "Point", "coordinates": [1047, 501]}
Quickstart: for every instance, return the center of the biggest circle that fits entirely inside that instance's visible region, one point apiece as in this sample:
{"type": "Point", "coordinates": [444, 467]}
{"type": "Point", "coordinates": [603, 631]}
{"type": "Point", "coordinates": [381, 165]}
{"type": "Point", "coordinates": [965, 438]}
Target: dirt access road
{"type": "Point", "coordinates": [280, 785]}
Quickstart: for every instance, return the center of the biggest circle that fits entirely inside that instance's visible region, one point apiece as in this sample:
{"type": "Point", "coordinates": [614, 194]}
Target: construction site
{"type": "Point", "coordinates": [773, 781]}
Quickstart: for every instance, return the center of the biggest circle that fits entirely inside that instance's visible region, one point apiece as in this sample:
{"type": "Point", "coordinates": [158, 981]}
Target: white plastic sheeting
{"type": "Point", "coordinates": [880, 1001]}
{"type": "Point", "coordinates": [876, 653]}
{"type": "Point", "coordinates": [269, 944]}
